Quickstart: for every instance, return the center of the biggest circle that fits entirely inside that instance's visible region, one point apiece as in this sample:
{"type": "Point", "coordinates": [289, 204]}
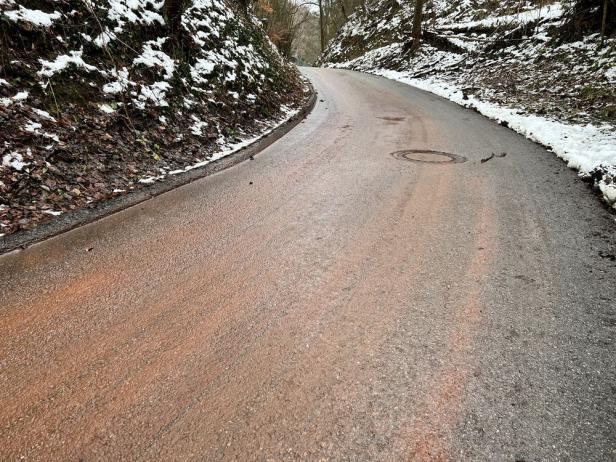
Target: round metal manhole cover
{"type": "Point", "coordinates": [429, 157]}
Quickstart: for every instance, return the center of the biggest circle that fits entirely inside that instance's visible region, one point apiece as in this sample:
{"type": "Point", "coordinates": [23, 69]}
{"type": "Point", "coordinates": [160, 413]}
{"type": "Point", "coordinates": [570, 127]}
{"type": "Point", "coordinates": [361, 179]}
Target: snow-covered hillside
{"type": "Point", "coordinates": [97, 97]}
{"type": "Point", "coordinates": [509, 60]}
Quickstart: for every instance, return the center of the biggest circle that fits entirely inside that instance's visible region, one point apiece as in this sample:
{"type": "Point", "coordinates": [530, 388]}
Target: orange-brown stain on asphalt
{"type": "Point", "coordinates": [442, 402]}
{"type": "Point", "coordinates": [49, 303]}
{"type": "Point", "coordinates": [330, 310]}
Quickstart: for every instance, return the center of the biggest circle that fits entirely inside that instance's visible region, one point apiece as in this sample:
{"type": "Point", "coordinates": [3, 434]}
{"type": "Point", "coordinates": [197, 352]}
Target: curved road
{"type": "Point", "coordinates": [327, 301]}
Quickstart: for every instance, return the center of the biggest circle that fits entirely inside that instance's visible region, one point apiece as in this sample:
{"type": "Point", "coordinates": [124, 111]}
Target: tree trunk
{"type": "Point", "coordinates": [343, 9]}
{"type": "Point", "coordinates": [417, 26]}
{"type": "Point", "coordinates": [603, 23]}
{"type": "Point", "coordinates": [173, 10]}
{"type": "Point", "coordinates": [245, 4]}
{"type": "Point", "coordinates": [321, 26]}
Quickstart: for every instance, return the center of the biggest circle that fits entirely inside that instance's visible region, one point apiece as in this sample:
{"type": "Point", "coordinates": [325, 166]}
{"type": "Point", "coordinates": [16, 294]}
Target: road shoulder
{"type": "Point", "coordinates": [81, 217]}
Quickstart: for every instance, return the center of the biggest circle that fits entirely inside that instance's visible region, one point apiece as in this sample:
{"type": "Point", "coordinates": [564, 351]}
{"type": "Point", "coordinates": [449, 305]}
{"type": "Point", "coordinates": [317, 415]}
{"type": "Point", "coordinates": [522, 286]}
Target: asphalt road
{"type": "Point", "coordinates": [327, 300]}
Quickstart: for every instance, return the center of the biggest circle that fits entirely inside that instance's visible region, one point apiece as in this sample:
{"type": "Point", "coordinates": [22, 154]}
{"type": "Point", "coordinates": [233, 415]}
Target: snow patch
{"type": "Point", "coordinates": [120, 84]}
{"type": "Point", "coordinates": [21, 96]}
{"type": "Point", "coordinates": [52, 212]}
{"type": "Point", "coordinates": [32, 127]}
{"type": "Point", "coordinates": [43, 114]}
{"type": "Point", "coordinates": [154, 93]}
{"type": "Point", "coordinates": [106, 109]}
{"type": "Point", "coordinates": [554, 11]}
{"type": "Point", "coordinates": [197, 128]}
{"type": "Point", "coordinates": [15, 161]}
{"type": "Point", "coordinates": [36, 17]}
{"type": "Point", "coordinates": [62, 62]}
{"type": "Point", "coordinates": [151, 57]}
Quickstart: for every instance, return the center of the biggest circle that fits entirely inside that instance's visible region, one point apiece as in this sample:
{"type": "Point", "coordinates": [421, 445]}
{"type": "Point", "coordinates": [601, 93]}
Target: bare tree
{"type": "Point", "coordinates": [245, 5]}
{"type": "Point", "coordinates": [603, 22]}
{"type": "Point", "coordinates": [283, 18]}
{"type": "Point", "coordinates": [173, 10]}
{"type": "Point", "coordinates": [322, 25]}
{"type": "Point", "coordinates": [417, 19]}
{"type": "Point", "coordinates": [343, 9]}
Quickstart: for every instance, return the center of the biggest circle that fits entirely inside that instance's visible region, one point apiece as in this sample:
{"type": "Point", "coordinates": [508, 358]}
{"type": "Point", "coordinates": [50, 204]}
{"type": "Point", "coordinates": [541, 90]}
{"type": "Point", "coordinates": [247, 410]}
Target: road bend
{"type": "Point", "coordinates": [365, 289]}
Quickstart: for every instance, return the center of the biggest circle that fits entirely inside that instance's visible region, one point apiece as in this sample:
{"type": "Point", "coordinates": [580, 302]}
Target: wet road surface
{"type": "Point", "coordinates": [327, 301]}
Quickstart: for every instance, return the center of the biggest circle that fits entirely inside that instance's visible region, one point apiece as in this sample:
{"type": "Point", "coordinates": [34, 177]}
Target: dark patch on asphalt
{"type": "Point", "coordinates": [607, 256]}
{"type": "Point", "coordinates": [525, 279]}
{"type": "Point", "coordinates": [492, 156]}
{"type": "Point", "coordinates": [427, 156]}
{"type": "Point", "coordinates": [391, 119]}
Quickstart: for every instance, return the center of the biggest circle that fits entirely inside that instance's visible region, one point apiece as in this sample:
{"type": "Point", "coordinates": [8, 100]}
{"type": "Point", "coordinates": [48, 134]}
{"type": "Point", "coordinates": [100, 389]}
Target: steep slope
{"type": "Point", "coordinates": [535, 66]}
{"type": "Point", "coordinates": [97, 98]}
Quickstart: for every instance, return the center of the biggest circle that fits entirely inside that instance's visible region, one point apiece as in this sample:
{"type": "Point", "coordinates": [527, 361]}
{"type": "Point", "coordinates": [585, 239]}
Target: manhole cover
{"type": "Point", "coordinates": [427, 156]}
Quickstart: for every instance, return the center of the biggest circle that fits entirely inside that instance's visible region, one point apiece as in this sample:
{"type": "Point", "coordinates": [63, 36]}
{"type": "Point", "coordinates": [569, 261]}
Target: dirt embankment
{"type": "Point", "coordinates": [100, 98]}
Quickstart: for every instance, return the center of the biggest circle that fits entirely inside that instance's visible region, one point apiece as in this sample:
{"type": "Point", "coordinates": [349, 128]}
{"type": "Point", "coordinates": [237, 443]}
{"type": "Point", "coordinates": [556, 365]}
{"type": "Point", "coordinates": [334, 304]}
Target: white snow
{"type": "Point", "coordinates": [104, 38]}
{"type": "Point", "coordinates": [36, 17]}
{"type": "Point", "coordinates": [106, 109]}
{"type": "Point", "coordinates": [151, 57]}
{"type": "Point", "coordinates": [62, 62]}
{"type": "Point", "coordinates": [15, 161]}
{"type": "Point", "coordinates": [554, 11]}
{"type": "Point", "coordinates": [133, 11]}
{"type": "Point", "coordinates": [32, 127]}
{"type": "Point", "coordinates": [52, 136]}
{"type": "Point", "coordinates": [120, 84]}
{"type": "Point", "coordinates": [197, 128]}
{"type": "Point", "coordinates": [151, 179]}
{"type": "Point", "coordinates": [201, 68]}
{"type": "Point", "coordinates": [21, 96]}
{"type": "Point", "coordinates": [154, 93]}
{"type": "Point", "coordinates": [52, 212]}
{"type": "Point", "coordinates": [43, 114]}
